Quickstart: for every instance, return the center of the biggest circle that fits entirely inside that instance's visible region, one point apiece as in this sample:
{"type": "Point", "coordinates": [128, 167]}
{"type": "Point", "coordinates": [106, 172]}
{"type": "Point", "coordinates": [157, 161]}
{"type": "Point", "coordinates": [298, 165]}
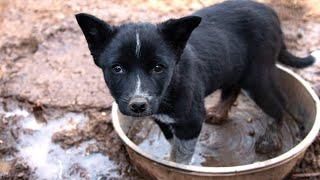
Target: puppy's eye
{"type": "Point", "coordinates": [158, 69]}
{"type": "Point", "coordinates": [117, 69]}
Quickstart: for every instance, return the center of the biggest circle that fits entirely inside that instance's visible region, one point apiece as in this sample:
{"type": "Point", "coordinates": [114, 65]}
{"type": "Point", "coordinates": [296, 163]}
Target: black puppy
{"type": "Point", "coordinates": [166, 70]}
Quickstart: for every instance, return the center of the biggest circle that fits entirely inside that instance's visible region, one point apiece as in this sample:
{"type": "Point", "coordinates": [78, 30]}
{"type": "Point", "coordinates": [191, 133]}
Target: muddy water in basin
{"type": "Point", "coordinates": [229, 144]}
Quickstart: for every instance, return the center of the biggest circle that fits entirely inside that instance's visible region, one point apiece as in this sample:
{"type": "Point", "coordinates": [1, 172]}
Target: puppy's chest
{"type": "Point", "coordinates": [164, 118]}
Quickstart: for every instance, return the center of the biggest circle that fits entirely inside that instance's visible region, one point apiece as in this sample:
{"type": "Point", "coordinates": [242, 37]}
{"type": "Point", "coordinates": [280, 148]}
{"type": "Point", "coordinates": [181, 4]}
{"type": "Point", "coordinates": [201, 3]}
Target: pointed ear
{"type": "Point", "coordinates": [97, 33]}
{"type": "Point", "coordinates": [178, 31]}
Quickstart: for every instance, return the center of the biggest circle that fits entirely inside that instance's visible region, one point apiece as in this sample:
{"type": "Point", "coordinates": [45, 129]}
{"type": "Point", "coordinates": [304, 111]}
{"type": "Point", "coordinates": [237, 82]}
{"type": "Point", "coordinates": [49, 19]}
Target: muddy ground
{"type": "Point", "coordinates": [46, 72]}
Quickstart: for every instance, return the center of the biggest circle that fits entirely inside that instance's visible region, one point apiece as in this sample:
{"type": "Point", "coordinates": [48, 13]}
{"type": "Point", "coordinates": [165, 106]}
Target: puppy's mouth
{"type": "Point", "coordinates": [140, 114]}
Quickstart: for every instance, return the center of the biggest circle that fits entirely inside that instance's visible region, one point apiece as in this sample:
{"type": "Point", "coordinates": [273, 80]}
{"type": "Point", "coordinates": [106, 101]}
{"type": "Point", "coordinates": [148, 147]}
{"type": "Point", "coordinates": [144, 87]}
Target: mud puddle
{"type": "Point", "coordinates": [229, 144]}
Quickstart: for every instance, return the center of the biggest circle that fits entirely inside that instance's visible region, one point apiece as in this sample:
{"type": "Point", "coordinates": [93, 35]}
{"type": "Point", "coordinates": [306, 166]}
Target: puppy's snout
{"type": "Point", "coordinates": [138, 105]}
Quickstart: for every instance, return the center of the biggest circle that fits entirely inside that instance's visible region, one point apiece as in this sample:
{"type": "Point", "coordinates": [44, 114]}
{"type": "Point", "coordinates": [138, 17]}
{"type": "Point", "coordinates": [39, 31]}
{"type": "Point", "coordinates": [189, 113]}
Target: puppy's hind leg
{"type": "Point", "coordinates": [219, 113]}
{"type": "Point", "coordinates": [262, 92]}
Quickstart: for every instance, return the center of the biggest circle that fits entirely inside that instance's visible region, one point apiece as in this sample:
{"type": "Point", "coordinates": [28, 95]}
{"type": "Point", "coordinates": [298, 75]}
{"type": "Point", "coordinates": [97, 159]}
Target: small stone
{"type": "Point", "coordinates": [299, 35]}
{"type": "Point", "coordinates": [103, 113]}
{"type": "Point", "coordinates": [249, 120]}
{"type": "Point", "coordinates": [92, 148]}
{"type": "Point", "coordinates": [20, 174]}
{"type": "Point", "coordinates": [252, 133]}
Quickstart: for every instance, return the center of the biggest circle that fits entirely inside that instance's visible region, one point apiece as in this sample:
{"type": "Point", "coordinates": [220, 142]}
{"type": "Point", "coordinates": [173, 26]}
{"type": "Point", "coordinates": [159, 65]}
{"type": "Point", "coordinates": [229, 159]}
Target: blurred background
{"type": "Point", "coordinates": [46, 69]}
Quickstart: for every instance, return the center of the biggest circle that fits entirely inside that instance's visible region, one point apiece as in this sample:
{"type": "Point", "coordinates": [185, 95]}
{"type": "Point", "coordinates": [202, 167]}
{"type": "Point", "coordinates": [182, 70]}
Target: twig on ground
{"type": "Point", "coordinates": [304, 175]}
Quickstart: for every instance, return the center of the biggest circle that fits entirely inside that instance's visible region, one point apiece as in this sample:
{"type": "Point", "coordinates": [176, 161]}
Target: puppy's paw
{"type": "Point", "coordinates": [216, 116]}
{"type": "Point", "coordinates": [269, 143]}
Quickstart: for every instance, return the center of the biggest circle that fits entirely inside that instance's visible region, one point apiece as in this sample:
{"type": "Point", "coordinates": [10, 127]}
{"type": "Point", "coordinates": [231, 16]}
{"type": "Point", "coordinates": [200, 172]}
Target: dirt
{"type": "Point", "coordinates": [46, 69]}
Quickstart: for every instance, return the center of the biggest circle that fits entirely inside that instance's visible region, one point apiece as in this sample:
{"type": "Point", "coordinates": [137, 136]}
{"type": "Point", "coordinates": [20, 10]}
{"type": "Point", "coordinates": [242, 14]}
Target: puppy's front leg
{"type": "Point", "coordinates": [182, 150]}
{"type": "Point", "coordinates": [184, 142]}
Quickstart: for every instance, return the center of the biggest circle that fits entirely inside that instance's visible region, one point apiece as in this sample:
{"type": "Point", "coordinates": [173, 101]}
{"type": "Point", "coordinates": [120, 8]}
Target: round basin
{"type": "Point", "coordinates": [303, 103]}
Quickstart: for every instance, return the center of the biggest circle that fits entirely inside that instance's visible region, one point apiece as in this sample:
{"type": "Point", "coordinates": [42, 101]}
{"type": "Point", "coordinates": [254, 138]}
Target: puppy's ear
{"type": "Point", "coordinates": [178, 31]}
{"type": "Point", "coordinates": [97, 33]}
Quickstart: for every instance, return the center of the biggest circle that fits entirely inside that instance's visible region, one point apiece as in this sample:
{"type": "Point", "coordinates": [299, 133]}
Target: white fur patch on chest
{"type": "Point", "coordinates": [164, 118]}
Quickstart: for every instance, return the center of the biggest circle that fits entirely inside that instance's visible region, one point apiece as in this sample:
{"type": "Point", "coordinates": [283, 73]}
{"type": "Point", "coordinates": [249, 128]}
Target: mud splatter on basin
{"type": "Point", "coordinates": [302, 103]}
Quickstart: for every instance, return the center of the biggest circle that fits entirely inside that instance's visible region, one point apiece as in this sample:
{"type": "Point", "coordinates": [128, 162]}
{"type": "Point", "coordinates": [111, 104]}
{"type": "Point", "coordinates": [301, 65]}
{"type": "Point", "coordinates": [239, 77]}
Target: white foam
{"type": "Point", "coordinates": [17, 112]}
{"type": "Point", "coordinates": [31, 124]}
{"type": "Point", "coordinates": [50, 161]}
{"type": "Point", "coordinates": [316, 55]}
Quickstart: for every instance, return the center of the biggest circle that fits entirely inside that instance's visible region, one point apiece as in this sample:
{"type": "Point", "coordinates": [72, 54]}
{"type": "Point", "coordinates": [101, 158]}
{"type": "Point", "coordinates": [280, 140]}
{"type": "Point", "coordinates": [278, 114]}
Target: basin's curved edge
{"type": "Point", "coordinates": [243, 169]}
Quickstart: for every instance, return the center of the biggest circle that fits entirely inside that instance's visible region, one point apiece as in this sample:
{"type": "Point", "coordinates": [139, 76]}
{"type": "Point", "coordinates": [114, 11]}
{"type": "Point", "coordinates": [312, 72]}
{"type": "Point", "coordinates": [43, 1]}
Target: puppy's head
{"type": "Point", "coordinates": [137, 60]}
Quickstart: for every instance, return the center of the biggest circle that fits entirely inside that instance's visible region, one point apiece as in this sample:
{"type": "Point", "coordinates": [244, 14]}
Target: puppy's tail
{"type": "Point", "coordinates": [289, 59]}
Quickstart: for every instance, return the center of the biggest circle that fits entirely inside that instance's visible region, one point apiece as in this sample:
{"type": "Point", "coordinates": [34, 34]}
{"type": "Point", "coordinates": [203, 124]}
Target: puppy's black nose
{"type": "Point", "coordinates": [138, 105]}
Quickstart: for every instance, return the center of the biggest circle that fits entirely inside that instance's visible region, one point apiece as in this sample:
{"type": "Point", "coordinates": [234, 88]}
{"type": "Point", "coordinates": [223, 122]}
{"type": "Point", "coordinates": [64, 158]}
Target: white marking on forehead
{"type": "Point", "coordinates": [138, 44]}
{"type": "Point", "coordinates": [164, 118]}
{"type": "Point", "coordinates": [138, 86]}
{"type": "Point", "coordinates": [139, 92]}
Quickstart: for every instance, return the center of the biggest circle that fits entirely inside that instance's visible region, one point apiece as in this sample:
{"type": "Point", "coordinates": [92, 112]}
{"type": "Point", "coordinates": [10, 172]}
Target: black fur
{"type": "Point", "coordinates": [236, 45]}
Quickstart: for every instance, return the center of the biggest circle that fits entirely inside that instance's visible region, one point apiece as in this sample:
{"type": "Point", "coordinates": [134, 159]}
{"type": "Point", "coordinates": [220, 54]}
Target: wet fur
{"type": "Point", "coordinates": [235, 46]}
